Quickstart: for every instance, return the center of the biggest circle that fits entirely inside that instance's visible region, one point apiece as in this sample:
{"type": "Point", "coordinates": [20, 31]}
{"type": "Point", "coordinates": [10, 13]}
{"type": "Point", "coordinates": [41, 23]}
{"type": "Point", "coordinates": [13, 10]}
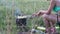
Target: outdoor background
{"type": "Point", "coordinates": [26, 7]}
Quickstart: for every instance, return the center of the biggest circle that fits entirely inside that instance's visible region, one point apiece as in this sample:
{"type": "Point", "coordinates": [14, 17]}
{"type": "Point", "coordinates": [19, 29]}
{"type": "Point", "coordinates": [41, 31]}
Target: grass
{"type": "Point", "coordinates": [27, 7]}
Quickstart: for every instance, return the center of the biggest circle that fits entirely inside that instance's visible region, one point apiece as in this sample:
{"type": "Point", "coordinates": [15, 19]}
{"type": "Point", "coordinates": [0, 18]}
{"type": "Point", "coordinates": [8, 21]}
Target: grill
{"type": "Point", "coordinates": [21, 21]}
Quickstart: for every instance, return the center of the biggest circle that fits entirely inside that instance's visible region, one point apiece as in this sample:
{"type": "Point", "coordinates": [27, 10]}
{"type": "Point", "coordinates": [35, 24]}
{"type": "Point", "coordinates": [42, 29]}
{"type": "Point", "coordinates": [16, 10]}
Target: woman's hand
{"type": "Point", "coordinates": [40, 13]}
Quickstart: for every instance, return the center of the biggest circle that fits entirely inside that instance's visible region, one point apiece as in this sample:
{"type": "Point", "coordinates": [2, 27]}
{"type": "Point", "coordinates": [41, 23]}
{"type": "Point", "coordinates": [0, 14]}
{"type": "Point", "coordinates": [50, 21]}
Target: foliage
{"type": "Point", "coordinates": [27, 7]}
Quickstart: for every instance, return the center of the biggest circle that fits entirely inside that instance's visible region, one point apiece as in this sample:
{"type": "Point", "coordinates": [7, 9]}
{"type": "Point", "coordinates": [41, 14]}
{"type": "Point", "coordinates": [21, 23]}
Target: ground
{"type": "Point", "coordinates": [27, 7]}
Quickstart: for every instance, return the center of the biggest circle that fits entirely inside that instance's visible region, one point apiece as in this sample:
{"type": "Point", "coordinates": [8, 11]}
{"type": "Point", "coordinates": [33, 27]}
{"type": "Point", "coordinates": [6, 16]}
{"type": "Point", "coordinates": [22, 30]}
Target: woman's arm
{"type": "Point", "coordinates": [40, 12]}
{"type": "Point", "coordinates": [52, 4]}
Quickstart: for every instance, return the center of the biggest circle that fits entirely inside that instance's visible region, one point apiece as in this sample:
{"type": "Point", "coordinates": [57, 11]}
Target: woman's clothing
{"type": "Point", "coordinates": [56, 8]}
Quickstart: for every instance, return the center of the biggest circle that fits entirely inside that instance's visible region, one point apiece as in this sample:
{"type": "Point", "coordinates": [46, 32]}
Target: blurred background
{"type": "Point", "coordinates": [10, 9]}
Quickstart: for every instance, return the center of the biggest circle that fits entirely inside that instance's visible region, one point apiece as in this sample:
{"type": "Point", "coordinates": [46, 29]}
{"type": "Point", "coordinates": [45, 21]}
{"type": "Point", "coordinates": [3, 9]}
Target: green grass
{"type": "Point", "coordinates": [28, 7]}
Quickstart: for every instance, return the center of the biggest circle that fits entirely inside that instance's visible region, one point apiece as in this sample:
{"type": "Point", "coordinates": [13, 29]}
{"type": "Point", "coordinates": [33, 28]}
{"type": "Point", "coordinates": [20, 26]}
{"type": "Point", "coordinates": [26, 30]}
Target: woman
{"type": "Point", "coordinates": [49, 18]}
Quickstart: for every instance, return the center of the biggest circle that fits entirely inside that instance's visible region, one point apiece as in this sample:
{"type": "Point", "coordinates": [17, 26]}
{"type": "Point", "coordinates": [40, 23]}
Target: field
{"type": "Point", "coordinates": [27, 7]}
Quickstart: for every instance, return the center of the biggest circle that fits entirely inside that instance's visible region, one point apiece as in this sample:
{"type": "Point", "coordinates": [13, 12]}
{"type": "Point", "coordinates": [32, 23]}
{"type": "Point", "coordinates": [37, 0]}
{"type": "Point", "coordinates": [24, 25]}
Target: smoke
{"type": "Point", "coordinates": [18, 12]}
